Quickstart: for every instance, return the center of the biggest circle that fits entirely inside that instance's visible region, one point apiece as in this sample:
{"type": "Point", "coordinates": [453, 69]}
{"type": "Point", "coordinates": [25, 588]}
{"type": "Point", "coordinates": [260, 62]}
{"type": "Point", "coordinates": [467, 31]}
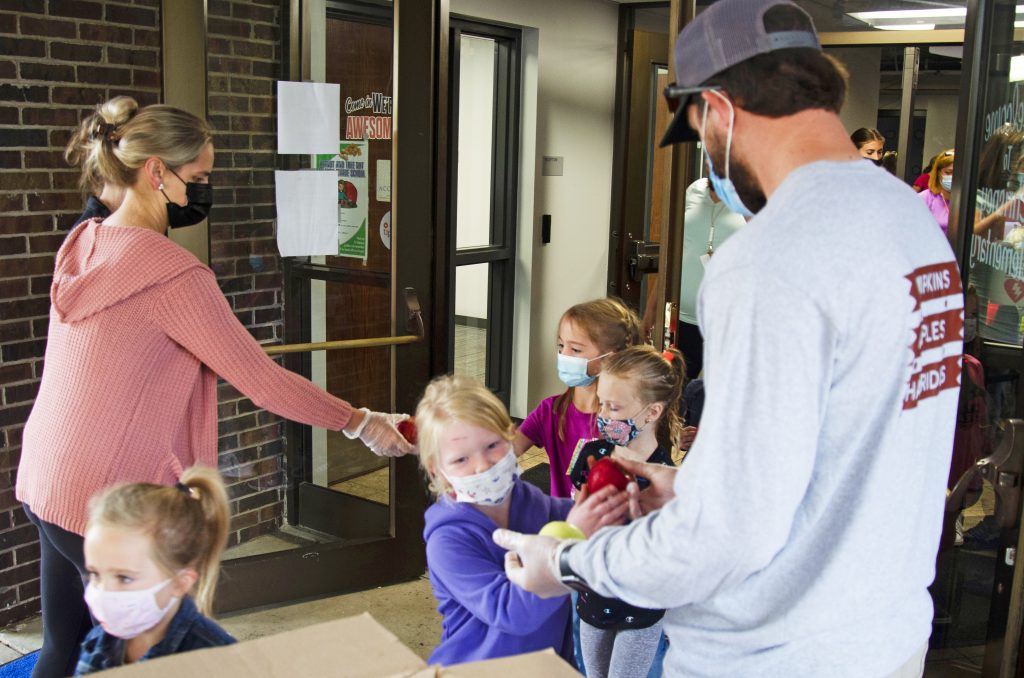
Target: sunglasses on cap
{"type": "Point", "coordinates": [677, 97]}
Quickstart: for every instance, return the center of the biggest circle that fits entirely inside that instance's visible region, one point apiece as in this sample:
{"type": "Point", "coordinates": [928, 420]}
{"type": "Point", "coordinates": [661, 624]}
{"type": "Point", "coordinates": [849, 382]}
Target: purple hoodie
{"type": "Point", "coordinates": [486, 615]}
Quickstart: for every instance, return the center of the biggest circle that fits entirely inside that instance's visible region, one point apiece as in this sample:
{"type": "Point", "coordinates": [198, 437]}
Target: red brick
{"type": "Point", "coordinates": [265, 69]}
{"type": "Point", "coordinates": [22, 266]}
{"type": "Point", "coordinates": [79, 9]}
{"type": "Point", "coordinates": [33, 6]}
{"type": "Point", "coordinates": [69, 51]}
{"type": "Point", "coordinates": [220, 64]}
{"type": "Point", "coordinates": [262, 32]}
{"type": "Point", "coordinates": [12, 202]}
{"type": "Point", "coordinates": [8, 23]}
{"type": "Point", "coordinates": [142, 78]}
{"type": "Point", "coordinates": [45, 244]}
{"type": "Point", "coordinates": [40, 325]}
{"type": "Point", "coordinates": [136, 16]}
{"type": "Point", "coordinates": [102, 74]}
{"type": "Point", "coordinates": [22, 47]}
{"type": "Point", "coordinates": [79, 96]}
{"type": "Point", "coordinates": [47, 28]}
{"type": "Point", "coordinates": [8, 69]}
{"type": "Point", "coordinates": [44, 159]}
{"type": "Point", "coordinates": [10, 159]}
{"type": "Point", "coordinates": [15, 245]}
{"type": "Point", "coordinates": [22, 329]}
{"type": "Point", "coordinates": [58, 117]}
{"type": "Point", "coordinates": [22, 137]}
{"type": "Point", "coordinates": [34, 93]}
{"type": "Point", "coordinates": [218, 26]}
{"type": "Point", "coordinates": [49, 202]}
{"type": "Point", "coordinates": [251, 86]}
{"type": "Point", "coordinates": [146, 38]}
{"type": "Point", "coordinates": [218, 8]}
{"type": "Point", "coordinates": [116, 35]}
{"type": "Point", "coordinates": [20, 224]}
{"type": "Point", "coordinates": [253, 12]}
{"type": "Point", "coordinates": [21, 393]}
{"type": "Point", "coordinates": [132, 57]}
{"type": "Point", "coordinates": [33, 70]}
{"type": "Point", "coordinates": [24, 181]}
{"type": "Point", "coordinates": [14, 373]}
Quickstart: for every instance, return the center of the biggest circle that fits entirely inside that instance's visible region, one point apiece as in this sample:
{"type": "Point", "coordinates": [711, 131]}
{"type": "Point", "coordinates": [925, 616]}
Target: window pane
{"type": "Point", "coordinates": [476, 133]}
{"type": "Point", "coordinates": [471, 292]}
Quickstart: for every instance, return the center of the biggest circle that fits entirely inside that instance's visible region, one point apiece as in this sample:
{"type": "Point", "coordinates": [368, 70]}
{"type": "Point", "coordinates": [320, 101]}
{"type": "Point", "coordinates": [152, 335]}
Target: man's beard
{"type": "Point", "coordinates": [742, 178]}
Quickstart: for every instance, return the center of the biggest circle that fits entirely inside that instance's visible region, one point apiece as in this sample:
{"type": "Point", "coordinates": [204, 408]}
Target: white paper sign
{"type": "Point", "coordinates": [307, 212]}
{"type": "Point", "coordinates": [385, 229]}
{"type": "Point", "coordinates": [384, 181]}
{"type": "Point", "coordinates": [308, 117]}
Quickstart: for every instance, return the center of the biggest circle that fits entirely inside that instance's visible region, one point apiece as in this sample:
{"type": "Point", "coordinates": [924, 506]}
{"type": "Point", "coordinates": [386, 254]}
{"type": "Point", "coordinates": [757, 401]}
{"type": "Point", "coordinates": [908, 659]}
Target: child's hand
{"type": "Point", "coordinates": [607, 506]}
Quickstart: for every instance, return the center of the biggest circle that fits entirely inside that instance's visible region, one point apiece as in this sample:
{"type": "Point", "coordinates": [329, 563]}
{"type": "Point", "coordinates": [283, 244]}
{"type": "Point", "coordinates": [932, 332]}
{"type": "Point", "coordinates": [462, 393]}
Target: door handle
{"type": "Point", "coordinates": [413, 325]}
{"type": "Point", "coordinates": [643, 258]}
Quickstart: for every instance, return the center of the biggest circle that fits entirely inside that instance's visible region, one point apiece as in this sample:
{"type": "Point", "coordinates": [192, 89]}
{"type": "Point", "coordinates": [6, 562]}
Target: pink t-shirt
{"type": "Point", "coordinates": [938, 207]}
{"type": "Point", "coordinates": [541, 427]}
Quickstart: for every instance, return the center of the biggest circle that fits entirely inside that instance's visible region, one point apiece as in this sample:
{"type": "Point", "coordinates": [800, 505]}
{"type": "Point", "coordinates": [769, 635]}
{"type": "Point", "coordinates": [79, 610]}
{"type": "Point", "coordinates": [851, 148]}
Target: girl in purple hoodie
{"type": "Point", "coordinates": [465, 442]}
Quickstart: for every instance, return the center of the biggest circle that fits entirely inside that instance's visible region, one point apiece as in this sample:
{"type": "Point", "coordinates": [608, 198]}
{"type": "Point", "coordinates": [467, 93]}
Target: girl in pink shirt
{"type": "Point", "coordinates": [138, 333]}
{"type": "Point", "coordinates": [940, 182]}
{"type": "Point", "coordinates": [587, 333]}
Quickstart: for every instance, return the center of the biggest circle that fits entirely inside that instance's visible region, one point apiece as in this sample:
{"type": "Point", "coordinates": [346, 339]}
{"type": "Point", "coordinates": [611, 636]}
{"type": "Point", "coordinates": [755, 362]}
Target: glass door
{"type": "Point", "coordinates": [337, 517]}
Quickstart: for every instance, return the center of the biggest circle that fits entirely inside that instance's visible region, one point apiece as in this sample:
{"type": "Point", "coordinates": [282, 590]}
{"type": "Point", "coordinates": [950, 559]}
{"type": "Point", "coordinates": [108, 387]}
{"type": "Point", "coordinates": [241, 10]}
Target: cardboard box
{"type": "Point", "coordinates": [353, 647]}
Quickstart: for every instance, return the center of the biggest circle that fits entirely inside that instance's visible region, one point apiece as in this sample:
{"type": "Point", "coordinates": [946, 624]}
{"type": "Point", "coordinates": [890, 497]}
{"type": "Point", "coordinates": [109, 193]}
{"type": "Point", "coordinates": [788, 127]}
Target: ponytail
{"type": "Point", "coordinates": [113, 142]}
{"type": "Point", "coordinates": [188, 523]}
{"type": "Point", "coordinates": [213, 500]}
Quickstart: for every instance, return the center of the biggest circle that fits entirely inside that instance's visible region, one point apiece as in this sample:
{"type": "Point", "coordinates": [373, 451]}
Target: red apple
{"type": "Point", "coordinates": [606, 472]}
{"type": "Point", "coordinates": [407, 427]}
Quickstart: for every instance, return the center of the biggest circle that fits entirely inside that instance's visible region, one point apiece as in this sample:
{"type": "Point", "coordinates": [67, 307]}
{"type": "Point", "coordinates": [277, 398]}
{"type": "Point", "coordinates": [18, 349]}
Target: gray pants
{"type": "Point", "coordinates": [608, 653]}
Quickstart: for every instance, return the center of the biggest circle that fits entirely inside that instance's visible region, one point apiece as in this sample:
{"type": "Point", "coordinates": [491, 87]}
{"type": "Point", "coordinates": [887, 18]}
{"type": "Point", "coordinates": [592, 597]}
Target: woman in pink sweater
{"type": "Point", "coordinates": [139, 332]}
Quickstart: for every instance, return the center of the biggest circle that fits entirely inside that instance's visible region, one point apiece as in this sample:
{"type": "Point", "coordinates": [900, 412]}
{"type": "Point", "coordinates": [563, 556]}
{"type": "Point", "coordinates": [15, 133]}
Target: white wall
{"type": "Point", "coordinates": [861, 108]}
{"type": "Point", "coordinates": [940, 125]}
{"type": "Point", "coordinates": [568, 111]}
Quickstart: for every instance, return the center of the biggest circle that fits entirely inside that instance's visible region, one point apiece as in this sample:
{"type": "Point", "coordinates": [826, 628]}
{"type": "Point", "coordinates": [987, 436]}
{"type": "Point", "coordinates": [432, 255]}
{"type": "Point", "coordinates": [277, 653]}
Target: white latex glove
{"type": "Point", "coordinates": [530, 562]}
{"type": "Point", "coordinates": [378, 432]}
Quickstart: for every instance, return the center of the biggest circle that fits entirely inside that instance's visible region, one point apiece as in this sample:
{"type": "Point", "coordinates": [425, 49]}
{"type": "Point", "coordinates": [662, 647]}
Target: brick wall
{"type": "Point", "coordinates": [58, 58]}
{"type": "Point", "coordinates": [244, 55]}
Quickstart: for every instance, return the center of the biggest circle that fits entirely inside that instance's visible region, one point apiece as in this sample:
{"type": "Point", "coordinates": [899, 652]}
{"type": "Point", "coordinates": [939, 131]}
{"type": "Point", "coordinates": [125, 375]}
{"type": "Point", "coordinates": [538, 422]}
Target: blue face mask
{"type": "Point", "coordinates": [573, 370]}
{"type": "Point", "coordinates": [723, 187]}
{"type": "Point", "coordinates": [947, 181]}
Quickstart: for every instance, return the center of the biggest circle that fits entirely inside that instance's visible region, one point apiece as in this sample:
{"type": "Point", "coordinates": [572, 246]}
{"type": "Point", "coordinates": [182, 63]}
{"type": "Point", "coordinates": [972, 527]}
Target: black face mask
{"type": "Point", "coordinates": [199, 201]}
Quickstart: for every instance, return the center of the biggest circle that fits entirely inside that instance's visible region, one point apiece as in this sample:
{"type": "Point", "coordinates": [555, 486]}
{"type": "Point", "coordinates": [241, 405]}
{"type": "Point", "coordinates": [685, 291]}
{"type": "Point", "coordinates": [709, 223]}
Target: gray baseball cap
{"type": "Point", "coordinates": [725, 34]}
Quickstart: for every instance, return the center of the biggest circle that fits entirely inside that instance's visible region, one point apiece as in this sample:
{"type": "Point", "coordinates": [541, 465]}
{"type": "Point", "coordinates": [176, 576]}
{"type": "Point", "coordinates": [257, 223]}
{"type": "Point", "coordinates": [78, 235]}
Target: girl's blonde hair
{"type": "Point", "coordinates": [655, 379]}
{"type": "Point", "coordinates": [115, 140]}
{"type": "Point", "coordinates": [607, 322]}
{"type": "Point", "coordinates": [942, 161]}
{"type": "Point", "coordinates": [188, 524]}
{"type": "Point", "coordinates": [449, 399]}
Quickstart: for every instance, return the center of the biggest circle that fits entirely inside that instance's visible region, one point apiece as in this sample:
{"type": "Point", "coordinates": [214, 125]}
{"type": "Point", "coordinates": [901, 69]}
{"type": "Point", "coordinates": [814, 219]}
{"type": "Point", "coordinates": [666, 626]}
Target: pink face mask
{"type": "Point", "coordinates": [126, 614]}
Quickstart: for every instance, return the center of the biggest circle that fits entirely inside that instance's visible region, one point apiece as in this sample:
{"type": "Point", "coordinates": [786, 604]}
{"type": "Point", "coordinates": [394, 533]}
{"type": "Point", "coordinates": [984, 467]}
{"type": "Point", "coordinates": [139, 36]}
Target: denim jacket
{"type": "Point", "coordinates": [189, 630]}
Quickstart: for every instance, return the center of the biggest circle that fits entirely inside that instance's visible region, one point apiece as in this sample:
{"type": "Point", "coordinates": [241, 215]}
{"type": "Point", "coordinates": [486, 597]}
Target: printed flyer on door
{"type": "Point", "coordinates": [353, 197]}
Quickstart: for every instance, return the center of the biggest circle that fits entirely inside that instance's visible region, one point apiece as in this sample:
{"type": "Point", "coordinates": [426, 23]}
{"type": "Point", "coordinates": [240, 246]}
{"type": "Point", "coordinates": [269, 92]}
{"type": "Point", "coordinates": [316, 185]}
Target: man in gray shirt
{"type": "Point", "coordinates": [799, 536]}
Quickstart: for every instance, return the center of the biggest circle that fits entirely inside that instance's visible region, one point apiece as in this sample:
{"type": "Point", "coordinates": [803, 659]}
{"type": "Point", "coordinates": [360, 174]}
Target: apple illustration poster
{"type": "Point", "coordinates": [353, 199]}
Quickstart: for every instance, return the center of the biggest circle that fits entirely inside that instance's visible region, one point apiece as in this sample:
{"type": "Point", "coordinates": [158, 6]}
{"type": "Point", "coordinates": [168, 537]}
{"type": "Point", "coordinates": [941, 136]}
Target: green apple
{"type": "Point", "coordinates": [559, 529]}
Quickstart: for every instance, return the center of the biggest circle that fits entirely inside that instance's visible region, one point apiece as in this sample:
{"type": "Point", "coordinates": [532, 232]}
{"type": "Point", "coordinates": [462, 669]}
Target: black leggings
{"type": "Point", "coordinates": [66, 617]}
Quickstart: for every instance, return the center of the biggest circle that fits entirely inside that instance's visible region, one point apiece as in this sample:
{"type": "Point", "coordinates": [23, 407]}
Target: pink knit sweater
{"type": "Point", "coordinates": [138, 333]}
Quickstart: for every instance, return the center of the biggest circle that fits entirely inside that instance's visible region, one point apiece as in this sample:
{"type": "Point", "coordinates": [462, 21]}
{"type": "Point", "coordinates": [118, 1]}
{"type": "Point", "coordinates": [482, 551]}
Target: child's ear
{"type": "Point", "coordinates": [657, 409]}
{"type": "Point", "coordinates": [184, 581]}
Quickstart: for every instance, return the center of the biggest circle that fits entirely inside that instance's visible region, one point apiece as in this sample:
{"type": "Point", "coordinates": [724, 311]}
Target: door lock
{"type": "Point", "coordinates": [643, 258]}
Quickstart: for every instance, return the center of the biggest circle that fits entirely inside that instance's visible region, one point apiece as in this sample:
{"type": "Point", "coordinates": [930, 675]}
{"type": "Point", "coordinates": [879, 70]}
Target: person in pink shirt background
{"type": "Point", "coordinates": [940, 182]}
{"type": "Point", "coordinates": [139, 331]}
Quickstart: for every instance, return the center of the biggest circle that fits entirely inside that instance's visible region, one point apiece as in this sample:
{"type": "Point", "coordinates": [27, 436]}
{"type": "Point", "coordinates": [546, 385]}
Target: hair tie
{"type": "Point", "coordinates": [104, 130]}
{"type": "Point", "coordinates": [667, 355]}
{"type": "Point", "coordinates": [185, 489]}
